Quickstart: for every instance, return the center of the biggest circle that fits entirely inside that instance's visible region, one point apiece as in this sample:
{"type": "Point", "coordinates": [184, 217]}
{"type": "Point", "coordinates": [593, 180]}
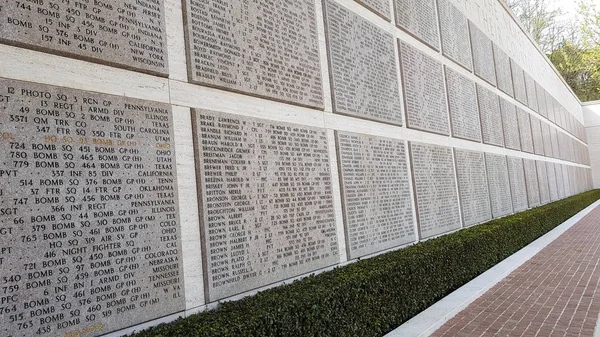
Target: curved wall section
{"type": "Point", "coordinates": [161, 156]}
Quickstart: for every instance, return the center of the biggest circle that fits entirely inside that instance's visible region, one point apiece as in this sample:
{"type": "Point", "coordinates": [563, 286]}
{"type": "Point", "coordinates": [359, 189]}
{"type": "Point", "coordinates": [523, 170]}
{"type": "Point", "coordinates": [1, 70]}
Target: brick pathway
{"type": "Point", "coordinates": [556, 293]}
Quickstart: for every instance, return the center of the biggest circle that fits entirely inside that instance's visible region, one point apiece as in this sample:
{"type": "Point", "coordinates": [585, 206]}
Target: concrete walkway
{"type": "Point", "coordinates": [555, 292]}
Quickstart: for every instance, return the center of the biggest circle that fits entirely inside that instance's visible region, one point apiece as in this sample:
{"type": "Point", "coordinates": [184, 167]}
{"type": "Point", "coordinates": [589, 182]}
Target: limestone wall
{"type": "Point", "coordinates": [161, 156]}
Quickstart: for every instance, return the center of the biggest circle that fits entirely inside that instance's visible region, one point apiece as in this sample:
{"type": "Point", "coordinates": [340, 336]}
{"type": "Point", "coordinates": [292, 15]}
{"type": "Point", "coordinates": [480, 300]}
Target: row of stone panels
{"type": "Point", "coordinates": [270, 49]}
{"type": "Point", "coordinates": [91, 235]}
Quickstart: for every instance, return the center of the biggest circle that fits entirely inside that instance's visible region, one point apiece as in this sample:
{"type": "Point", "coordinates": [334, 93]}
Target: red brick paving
{"type": "Point", "coordinates": [555, 293]}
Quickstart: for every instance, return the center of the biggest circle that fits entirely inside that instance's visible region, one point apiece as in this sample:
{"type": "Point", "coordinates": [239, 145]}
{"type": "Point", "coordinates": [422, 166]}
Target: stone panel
{"type": "Point", "coordinates": [525, 130]}
{"type": "Point", "coordinates": [491, 118]}
{"type": "Point", "coordinates": [560, 182]}
{"type": "Point", "coordinates": [518, 189]}
{"type": "Point", "coordinates": [363, 67]}
{"type": "Point", "coordinates": [264, 48]}
{"type": "Point", "coordinates": [462, 100]}
{"type": "Point", "coordinates": [473, 187]}
{"type": "Point", "coordinates": [91, 182]}
{"type": "Point", "coordinates": [510, 122]}
{"type": "Point", "coordinates": [266, 201]}
{"type": "Point", "coordinates": [531, 180]}
{"type": "Point", "coordinates": [541, 98]}
{"type": "Point", "coordinates": [542, 172]}
{"type": "Point", "coordinates": [549, 106]}
{"type": "Point", "coordinates": [503, 71]}
{"type": "Point", "coordinates": [532, 100]}
{"type": "Point", "coordinates": [483, 55]}
{"type": "Point", "coordinates": [435, 189]}
{"type": "Point", "coordinates": [518, 77]}
{"type": "Point", "coordinates": [536, 131]}
{"type": "Point", "coordinates": [419, 19]}
{"type": "Point", "coordinates": [499, 185]}
{"type": "Point", "coordinates": [566, 181]}
{"type": "Point", "coordinates": [376, 194]}
{"type": "Point", "coordinates": [554, 139]}
{"type": "Point", "coordinates": [552, 181]}
{"type": "Point", "coordinates": [424, 94]}
{"type": "Point", "coordinates": [380, 7]}
{"type": "Point", "coordinates": [546, 139]}
{"type": "Point", "coordinates": [455, 34]}
{"type": "Point", "coordinates": [113, 33]}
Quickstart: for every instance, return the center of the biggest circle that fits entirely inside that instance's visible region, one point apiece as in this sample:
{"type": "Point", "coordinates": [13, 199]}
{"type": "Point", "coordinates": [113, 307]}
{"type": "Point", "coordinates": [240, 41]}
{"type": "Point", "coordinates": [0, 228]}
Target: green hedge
{"type": "Point", "coordinates": [374, 296]}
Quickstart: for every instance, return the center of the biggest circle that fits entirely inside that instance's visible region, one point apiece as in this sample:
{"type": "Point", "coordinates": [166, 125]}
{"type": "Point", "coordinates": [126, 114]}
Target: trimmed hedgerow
{"type": "Point", "coordinates": [374, 296]}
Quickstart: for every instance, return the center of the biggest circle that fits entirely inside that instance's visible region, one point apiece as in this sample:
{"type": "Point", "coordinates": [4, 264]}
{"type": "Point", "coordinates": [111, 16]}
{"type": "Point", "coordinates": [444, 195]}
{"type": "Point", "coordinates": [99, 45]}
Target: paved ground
{"type": "Point", "coordinates": [556, 293]}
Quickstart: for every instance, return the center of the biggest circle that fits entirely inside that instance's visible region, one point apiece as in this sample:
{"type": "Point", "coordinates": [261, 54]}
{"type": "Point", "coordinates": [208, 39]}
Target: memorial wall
{"type": "Point", "coordinates": [161, 156]}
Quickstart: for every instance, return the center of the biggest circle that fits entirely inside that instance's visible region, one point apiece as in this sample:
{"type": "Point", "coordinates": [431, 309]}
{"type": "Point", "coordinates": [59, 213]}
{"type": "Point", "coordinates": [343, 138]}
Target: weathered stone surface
{"type": "Point", "coordinates": [512, 139]}
{"type": "Point", "coordinates": [531, 180]}
{"type": "Point", "coordinates": [483, 55]}
{"type": "Point", "coordinates": [532, 100]}
{"type": "Point", "coordinates": [536, 131]}
{"type": "Point", "coordinates": [473, 187]}
{"type": "Point", "coordinates": [542, 172]}
{"type": "Point", "coordinates": [566, 181]}
{"type": "Point", "coordinates": [552, 181]}
{"type": "Point", "coordinates": [499, 185]}
{"type": "Point", "coordinates": [91, 181]}
{"type": "Point", "coordinates": [376, 196]}
{"type": "Point", "coordinates": [264, 48]}
{"type": "Point", "coordinates": [129, 35]}
{"type": "Point", "coordinates": [424, 93]}
{"type": "Point", "coordinates": [380, 7]}
{"type": "Point", "coordinates": [266, 201]}
{"type": "Point", "coordinates": [518, 189]}
{"type": "Point", "coordinates": [503, 72]}
{"type": "Point", "coordinates": [518, 76]}
{"type": "Point", "coordinates": [462, 101]}
{"type": "Point", "coordinates": [525, 130]}
{"type": "Point", "coordinates": [419, 19]}
{"type": "Point", "coordinates": [455, 34]}
{"type": "Point", "coordinates": [363, 67]}
{"type": "Point", "coordinates": [435, 187]}
{"type": "Point", "coordinates": [491, 118]}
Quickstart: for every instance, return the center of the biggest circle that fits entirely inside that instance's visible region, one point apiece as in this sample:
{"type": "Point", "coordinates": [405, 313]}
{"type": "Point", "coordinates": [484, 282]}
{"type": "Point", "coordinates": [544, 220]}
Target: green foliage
{"type": "Point", "coordinates": [374, 296]}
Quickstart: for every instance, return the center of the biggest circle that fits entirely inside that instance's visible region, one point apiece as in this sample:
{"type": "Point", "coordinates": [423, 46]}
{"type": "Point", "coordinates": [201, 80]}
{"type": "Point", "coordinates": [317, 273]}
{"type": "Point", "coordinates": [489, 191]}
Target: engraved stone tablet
{"type": "Point", "coordinates": [483, 55]}
{"type": "Point", "coordinates": [462, 101]}
{"type": "Point", "coordinates": [473, 187]}
{"type": "Point", "coordinates": [435, 188]}
{"type": "Point", "coordinates": [512, 139]}
{"type": "Point", "coordinates": [525, 130]}
{"type": "Point", "coordinates": [379, 7]}
{"type": "Point", "coordinates": [266, 201]}
{"type": "Point", "coordinates": [376, 196]}
{"type": "Point", "coordinates": [518, 82]}
{"type": "Point", "coordinates": [552, 181]}
{"type": "Point", "coordinates": [363, 67]}
{"type": "Point", "coordinates": [546, 139]}
{"type": "Point", "coordinates": [127, 34]}
{"type": "Point", "coordinates": [517, 184]}
{"type": "Point", "coordinates": [532, 101]}
{"type": "Point", "coordinates": [419, 19]}
{"type": "Point", "coordinates": [455, 34]}
{"type": "Point", "coordinates": [263, 48]}
{"type": "Point", "coordinates": [499, 185]}
{"type": "Point", "coordinates": [566, 181]}
{"type": "Point", "coordinates": [543, 182]}
{"type": "Point", "coordinates": [560, 181]}
{"type": "Point", "coordinates": [554, 139]}
{"type": "Point", "coordinates": [424, 94]}
{"type": "Point", "coordinates": [536, 131]}
{"type": "Point", "coordinates": [541, 98]}
{"type": "Point", "coordinates": [491, 118]}
{"type": "Point", "coordinates": [503, 72]}
{"type": "Point", "coordinates": [90, 215]}
{"type": "Point", "coordinates": [550, 106]}
{"type": "Point", "coordinates": [531, 180]}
